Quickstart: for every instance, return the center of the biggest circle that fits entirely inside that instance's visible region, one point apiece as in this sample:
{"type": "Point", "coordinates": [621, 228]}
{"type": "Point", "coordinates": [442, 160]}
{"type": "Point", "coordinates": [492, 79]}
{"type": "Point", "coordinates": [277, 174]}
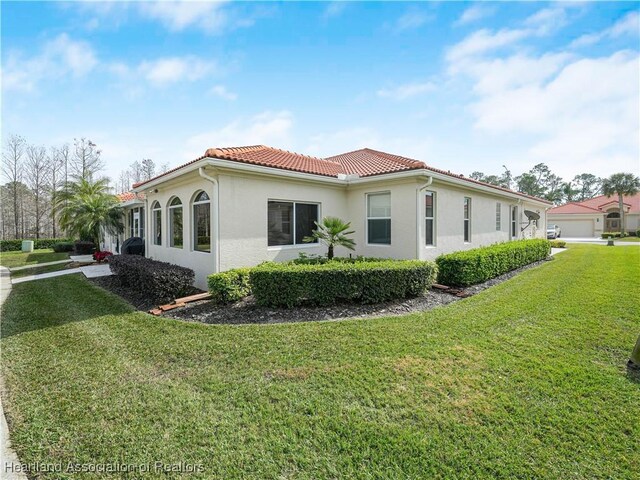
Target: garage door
{"type": "Point", "coordinates": [576, 228]}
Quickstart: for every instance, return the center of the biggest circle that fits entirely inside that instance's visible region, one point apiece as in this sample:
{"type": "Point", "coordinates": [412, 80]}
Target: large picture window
{"type": "Point", "coordinates": [289, 222]}
{"type": "Point", "coordinates": [202, 223]}
{"type": "Point", "coordinates": [430, 217]}
{"type": "Point", "coordinates": [498, 216]}
{"type": "Point", "coordinates": [467, 219]}
{"type": "Point", "coordinates": [175, 223]}
{"type": "Point", "coordinates": [156, 215]}
{"type": "Point", "coordinates": [379, 218]}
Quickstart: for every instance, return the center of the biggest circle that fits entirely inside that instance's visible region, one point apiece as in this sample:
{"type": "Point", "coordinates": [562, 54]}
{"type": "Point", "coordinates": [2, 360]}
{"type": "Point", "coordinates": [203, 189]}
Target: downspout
{"type": "Point", "coordinates": [147, 230]}
{"type": "Point", "coordinates": [216, 218]}
{"type": "Point", "coordinates": [419, 190]}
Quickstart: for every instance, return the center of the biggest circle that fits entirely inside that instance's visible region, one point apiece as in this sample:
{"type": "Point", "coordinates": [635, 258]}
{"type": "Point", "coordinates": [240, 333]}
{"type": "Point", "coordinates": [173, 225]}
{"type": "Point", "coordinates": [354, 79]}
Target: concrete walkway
{"type": "Point", "coordinates": [27, 267]}
{"type": "Point", "coordinates": [7, 453]}
{"type": "Point", "coordinates": [40, 276]}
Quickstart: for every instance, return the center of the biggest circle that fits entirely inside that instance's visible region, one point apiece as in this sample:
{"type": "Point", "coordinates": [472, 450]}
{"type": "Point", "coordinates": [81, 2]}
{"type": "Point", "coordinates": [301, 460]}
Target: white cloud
{"type": "Point", "coordinates": [547, 20]}
{"type": "Point", "coordinates": [222, 92]}
{"type": "Point", "coordinates": [411, 20]}
{"type": "Point", "coordinates": [474, 13]}
{"type": "Point", "coordinates": [408, 90]}
{"type": "Point", "coordinates": [333, 9]}
{"type": "Point", "coordinates": [58, 58]}
{"type": "Point", "coordinates": [266, 128]}
{"type": "Point", "coordinates": [164, 71]}
{"type": "Point", "coordinates": [628, 25]}
{"type": "Point", "coordinates": [484, 41]}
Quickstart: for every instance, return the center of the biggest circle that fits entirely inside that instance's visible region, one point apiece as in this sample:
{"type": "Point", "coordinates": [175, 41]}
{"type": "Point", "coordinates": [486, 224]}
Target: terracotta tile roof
{"type": "Point", "coordinates": [599, 204]}
{"type": "Point", "coordinates": [368, 162]}
{"type": "Point", "coordinates": [365, 162]}
{"type": "Point", "coordinates": [128, 196]}
{"type": "Point", "coordinates": [276, 158]}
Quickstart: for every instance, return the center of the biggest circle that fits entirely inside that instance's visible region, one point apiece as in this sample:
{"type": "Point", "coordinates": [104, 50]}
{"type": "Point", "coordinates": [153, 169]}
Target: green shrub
{"type": "Point", "coordinates": [558, 243]}
{"type": "Point", "coordinates": [84, 247]}
{"type": "Point", "coordinates": [638, 232]}
{"type": "Point", "coordinates": [157, 280]}
{"type": "Point", "coordinates": [229, 286]}
{"type": "Point", "coordinates": [614, 235]}
{"type": "Point", "coordinates": [304, 259]}
{"type": "Point", "coordinates": [469, 267]}
{"type": "Point", "coordinates": [289, 284]}
{"type": "Point", "coordinates": [62, 247]}
{"type": "Point", "coordinates": [16, 245]}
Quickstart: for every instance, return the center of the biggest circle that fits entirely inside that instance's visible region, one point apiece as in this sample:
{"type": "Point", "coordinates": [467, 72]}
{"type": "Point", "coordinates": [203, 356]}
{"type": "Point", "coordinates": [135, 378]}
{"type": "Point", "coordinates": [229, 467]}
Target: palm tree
{"type": "Point", "coordinates": [621, 184]}
{"type": "Point", "coordinates": [87, 209]}
{"type": "Point", "coordinates": [332, 231]}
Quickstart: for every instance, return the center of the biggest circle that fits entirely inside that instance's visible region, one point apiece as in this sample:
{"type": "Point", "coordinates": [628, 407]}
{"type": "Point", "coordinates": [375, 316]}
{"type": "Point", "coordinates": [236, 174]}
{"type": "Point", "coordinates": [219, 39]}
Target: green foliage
{"type": "Point", "coordinates": [158, 280]}
{"type": "Point", "coordinates": [332, 232]}
{"type": "Point", "coordinates": [304, 259]}
{"type": "Point", "coordinates": [87, 209]}
{"type": "Point", "coordinates": [281, 284]}
{"type": "Point", "coordinates": [229, 286]}
{"type": "Point", "coordinates": [614, 235]}
{"type": "Point", "coordinates": [62, 247]}
{"type": "Point", "coordinates": [480, 264]}
{"type": "Point", "coordinates": [16, 245]}
{"type": "Point", "coordinates": [557, 243]}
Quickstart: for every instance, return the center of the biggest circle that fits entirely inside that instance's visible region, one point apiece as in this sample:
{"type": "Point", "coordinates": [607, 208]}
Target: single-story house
{"type": "Point", "coordinates": [235, 207]}
{"type": "Point", "coordinates": [595, 216]}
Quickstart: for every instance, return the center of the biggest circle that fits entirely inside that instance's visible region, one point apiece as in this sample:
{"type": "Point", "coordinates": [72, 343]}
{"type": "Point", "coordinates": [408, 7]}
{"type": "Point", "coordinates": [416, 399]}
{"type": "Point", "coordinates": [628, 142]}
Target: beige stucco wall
{"type": "Point", "coordinates": [243, 201]}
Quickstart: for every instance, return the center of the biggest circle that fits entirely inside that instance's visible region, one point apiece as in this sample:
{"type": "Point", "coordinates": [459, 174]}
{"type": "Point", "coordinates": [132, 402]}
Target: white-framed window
{"type": "Point", "coordinates": [136, 222]}
{"type": "Point", "coordinates": [289, 222]}
{"type": "Point", "coordinates": [156, 216]}
{"type": "Point", "coordinates": [514, 221]}
{"type": "Point", "coordinates": [430, 218]}
{"type": "Point", "coordinates": [498, 216]}
{"type": "Point", "coordinates": [202, 222]}
{"type": "Point", "coordinates": [379, 218]}
{"type": "Point", "coordinates": [176, 238]}
{"type": "Point", "coordinates": [467, 219]}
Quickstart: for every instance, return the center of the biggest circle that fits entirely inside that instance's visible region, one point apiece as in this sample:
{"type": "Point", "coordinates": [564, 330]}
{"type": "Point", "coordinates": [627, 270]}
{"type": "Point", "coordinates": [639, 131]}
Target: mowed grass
{"type": "Point", "coordinates": [525, 380]}
{"type": "Point", "coordinates": [628, 239]}
{"type": "Point", "coordinates": [38, 270]}
{"type": "Point", "coordinates": [20, 259]}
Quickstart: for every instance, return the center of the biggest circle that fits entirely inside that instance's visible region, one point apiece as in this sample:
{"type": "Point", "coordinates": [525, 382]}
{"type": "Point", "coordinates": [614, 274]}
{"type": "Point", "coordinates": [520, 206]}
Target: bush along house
{"type": "Point", "coordinates": [237, 207]}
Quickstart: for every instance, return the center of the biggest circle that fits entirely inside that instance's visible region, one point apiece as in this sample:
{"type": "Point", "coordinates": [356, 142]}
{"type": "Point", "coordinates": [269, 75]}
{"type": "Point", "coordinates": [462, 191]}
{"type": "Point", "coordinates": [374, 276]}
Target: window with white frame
{"type": "Point", "coordinates": [156, 216]}
{"type": "Point", "coordinates": [430, 218]}
{"type": "Point", "coordinates": [175, 223]}
{"type": "Point", "coordinates": [467, 219]}
{"type": "Point", "coordinates": [202, 222]}
{"type": "Point", "coordinates": [379, 218]}
{"type": "Point", "coordinates": [289, 222]}
{"type": "Point", "coordinates": [498, 216]}
{"type": "Point", "coordinates": [136, 222]}
{"type": "Point", "coordinates": [514, 221]}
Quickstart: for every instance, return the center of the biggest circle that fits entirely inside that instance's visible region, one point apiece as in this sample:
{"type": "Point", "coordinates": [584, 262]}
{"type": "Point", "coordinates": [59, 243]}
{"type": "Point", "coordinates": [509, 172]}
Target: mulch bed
{"type": "Point", "coordinates": [247, 311]}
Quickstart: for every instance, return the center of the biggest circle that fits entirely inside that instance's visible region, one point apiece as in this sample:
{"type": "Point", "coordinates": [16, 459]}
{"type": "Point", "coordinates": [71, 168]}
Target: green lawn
{"type": "Point", "coordinates": [525, 380]}
{"type": "Point", "coordinates": [38, 270]}
{"type": "Point", "coordinates": [19, 259]}
{"type": "Point", "coordinates": [628, 239]}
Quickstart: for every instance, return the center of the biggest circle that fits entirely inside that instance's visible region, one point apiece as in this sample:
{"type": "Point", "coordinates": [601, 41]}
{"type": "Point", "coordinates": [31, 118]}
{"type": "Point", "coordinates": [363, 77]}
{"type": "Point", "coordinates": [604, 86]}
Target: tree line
{"type": "Point", "coordinates": [35, 175]}
{"type": "Point", "coordinates": [541, 182]}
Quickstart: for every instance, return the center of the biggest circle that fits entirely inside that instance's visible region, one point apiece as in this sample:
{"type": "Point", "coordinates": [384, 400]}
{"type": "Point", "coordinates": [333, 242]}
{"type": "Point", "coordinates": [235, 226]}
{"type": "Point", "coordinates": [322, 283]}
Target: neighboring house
{"type": "Point", "coordinates": [134, 221]}
{"type": "Point", "coordinates": [597, 215]}
{"type": "Point", "coordinates": [237, 207]}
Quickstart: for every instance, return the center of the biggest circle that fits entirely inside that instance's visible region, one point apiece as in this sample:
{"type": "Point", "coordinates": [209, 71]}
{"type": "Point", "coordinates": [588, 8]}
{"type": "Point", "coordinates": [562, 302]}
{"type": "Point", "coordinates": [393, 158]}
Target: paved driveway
{"type": "Point", "coordinates": [595, 240]}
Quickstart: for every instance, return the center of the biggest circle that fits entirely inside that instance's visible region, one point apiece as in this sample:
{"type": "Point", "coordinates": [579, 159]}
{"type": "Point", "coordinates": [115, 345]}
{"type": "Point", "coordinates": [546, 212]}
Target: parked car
{"type": "Point", "coordinates": [553, 231]}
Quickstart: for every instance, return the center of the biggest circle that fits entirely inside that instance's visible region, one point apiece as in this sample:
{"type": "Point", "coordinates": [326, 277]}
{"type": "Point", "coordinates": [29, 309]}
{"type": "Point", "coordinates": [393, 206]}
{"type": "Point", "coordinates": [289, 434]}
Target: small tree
{"type": "Point", "coordinates": [333, 232]}
{"type": "Point", "coordinates": [621, 184]}
{"type": "Point", "coordinates": [87, 209]}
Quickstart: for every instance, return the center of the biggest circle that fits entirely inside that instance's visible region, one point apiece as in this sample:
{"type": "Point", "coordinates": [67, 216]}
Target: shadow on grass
{"type": "Point", "coordinates": [56, 301]}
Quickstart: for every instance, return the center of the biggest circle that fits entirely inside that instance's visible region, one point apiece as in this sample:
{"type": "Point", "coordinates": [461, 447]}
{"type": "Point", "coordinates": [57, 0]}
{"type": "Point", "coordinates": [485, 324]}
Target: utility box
{"type": "Point", "coordinates": [27, 245]}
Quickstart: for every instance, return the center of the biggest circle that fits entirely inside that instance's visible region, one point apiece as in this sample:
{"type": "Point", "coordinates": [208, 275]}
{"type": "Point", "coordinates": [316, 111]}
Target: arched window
{"type": "Point", "coordinates": [156, 218]}
{"type": "Point", "coordinates": [175, 223]}
{"type": "Point", "coordinates": [202, 222]}
{"type": "Point", "coordinates": [613, 215]}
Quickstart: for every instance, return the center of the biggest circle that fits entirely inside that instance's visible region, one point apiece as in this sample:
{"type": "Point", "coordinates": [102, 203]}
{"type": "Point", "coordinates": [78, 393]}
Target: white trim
{"type": "Point", "coordinates": [293, 222]}
{"type": "Point", "coordinates": [467, 219]}
{"type": "Point", "coordinates": [432, 218]}
{"type": "Point", "coordinates": [194, 227]}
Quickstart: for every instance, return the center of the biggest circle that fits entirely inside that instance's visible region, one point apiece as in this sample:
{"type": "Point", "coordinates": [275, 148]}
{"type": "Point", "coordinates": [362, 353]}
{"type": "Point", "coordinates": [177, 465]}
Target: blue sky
{"type": "Point", "coordinates": [461, 86]}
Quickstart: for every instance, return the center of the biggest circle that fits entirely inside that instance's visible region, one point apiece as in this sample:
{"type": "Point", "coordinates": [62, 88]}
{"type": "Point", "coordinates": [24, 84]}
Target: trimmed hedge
{"type": "Point", "coordinates": [158, 280]}
{"type": "Point", "coordinates": [558, 243]}
{"type": "Point", "coordinates": [229, 286]}
{"type": "Point", "coordinates": [320, 260]}
{"type": "Point", "coordinates": [84, 247]}
{"type": "Point", "coordinates": [287, 285]}
{"type": "Point", "coordinates": [614, 235]}
{"type": "Point", "coordinates": [16, 245]}
{"type": "Point", "coordinates": [461, 269]}
{"type": "Point", "coordinates": [62, 247]}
